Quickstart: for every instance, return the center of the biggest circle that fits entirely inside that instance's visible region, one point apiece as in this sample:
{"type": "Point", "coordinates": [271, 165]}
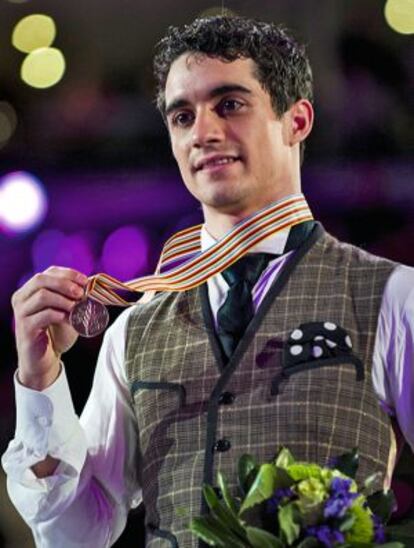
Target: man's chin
{"type": "Point", "coordinates": [224, 203]}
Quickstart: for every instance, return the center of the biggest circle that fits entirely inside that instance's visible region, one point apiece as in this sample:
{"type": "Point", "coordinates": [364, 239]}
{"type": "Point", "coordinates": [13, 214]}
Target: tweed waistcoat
{"type": "Point", "coordinates": [196, 416]}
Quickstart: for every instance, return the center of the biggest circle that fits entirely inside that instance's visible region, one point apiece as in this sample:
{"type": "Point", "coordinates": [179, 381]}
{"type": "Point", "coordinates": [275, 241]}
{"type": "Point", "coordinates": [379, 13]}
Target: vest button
{"type": "Point", "coordinates": [222, 446]}
{"type": "Point", "coordinates": [226, 398]}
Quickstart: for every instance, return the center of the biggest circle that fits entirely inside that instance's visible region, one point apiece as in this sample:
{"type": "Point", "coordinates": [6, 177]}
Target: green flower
{"type": "Point", "coordinates": [362, 531]}
{"type": "Point", "coordinates": [312, 489]}
{"type": "Point", "coordinates": [302, 471]}
{"type": "Point", "coordinates": [312, 493]}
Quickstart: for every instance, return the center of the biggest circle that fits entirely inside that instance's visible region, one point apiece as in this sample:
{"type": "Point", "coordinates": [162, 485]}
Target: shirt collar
{"type": "Point", "coordinates": [275, 243]}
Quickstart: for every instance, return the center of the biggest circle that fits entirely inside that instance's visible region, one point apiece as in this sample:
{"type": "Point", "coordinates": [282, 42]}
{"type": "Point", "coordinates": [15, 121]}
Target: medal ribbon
{"type": "Point", "coordinates": [199, 266]}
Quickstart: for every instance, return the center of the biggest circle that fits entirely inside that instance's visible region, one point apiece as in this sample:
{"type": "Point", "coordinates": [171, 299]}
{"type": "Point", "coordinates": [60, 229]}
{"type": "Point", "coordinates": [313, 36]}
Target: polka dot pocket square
{"type": "Point", "coordinates": [316, 341]}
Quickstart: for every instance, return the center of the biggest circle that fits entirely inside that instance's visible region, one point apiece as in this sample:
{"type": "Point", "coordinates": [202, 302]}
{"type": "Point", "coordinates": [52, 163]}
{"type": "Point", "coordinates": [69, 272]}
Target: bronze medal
{"type": "Point", "coordinates": [89, 318]}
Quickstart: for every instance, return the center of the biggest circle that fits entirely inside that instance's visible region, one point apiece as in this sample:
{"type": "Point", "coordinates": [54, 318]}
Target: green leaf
{"type": "Point", "coordinates": [247, 469]}
{"type": "Point", "coordinates": [283, 478]}
{"type": "Point", "coordinates": [262, 488]}
{"type": "Point", "coordinates": [228, 499]}
{"type": "Point", "coordinates": [382, 504]}
{"type": "Point", "coordinates": [347, 523]}
{"type": "Point", "coordinates": [210, 531]}
{"type": "Point", "coordinates": [289, 517]}
{"type": "Point", "coordinates": [310, 542]}
{"type": "Point", "coordinates": [260, 538]}
{"type": "Point", "coordinates": [222, 514]}
{"type": "Point", "coordinates": [348, 463]}
{"type": "Point", "coordinates": [284, 458]}
{"type": "Point", "coordinates": [371, 481]}
{"type": "Point", "coordinates": [210, 496]}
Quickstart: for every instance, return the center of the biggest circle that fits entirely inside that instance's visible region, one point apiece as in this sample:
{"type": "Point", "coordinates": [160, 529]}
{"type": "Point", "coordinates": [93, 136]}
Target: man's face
{"type": "Point", "coordinates": [231, 148]}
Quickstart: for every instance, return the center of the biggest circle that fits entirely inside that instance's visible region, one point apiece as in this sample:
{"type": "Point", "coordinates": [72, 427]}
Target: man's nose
{"type": "Point", "coordinates": [208, 128]}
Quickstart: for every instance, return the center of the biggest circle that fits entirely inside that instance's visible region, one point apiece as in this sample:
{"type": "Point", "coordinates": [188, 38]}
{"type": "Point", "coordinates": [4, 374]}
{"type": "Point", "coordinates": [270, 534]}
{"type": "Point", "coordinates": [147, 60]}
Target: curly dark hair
{"type": "Point", "coordinates": [282, 66]}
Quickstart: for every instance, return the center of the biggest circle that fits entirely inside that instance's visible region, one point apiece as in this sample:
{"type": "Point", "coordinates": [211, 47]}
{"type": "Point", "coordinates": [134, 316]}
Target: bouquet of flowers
{"type": "Point", "coordinates": [289, 503]}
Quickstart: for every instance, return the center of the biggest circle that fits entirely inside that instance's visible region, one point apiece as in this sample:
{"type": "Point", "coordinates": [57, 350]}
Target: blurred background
{"type": "Point", "coordinates": [87, 179]}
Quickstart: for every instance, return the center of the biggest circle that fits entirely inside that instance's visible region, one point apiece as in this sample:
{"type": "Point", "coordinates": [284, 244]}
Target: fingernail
{"type": "Point", "coordinates": [78, 292]}
{"type": "Point", "coordinates": [82, 279]}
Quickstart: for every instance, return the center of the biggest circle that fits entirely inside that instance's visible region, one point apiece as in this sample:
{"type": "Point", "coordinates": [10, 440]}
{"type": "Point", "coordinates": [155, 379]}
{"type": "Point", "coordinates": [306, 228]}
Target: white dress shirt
{"type": "Point", "coordinates": [86, 502]}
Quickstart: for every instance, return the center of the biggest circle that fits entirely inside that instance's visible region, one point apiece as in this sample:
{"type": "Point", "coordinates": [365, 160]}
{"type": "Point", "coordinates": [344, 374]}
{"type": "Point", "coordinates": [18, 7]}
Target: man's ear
{"type": "Point", "coordinates": [300, 117]}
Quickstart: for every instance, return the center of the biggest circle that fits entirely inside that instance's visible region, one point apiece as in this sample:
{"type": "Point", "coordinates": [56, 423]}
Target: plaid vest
{"type": "Point", "coordinates": [196, 416]}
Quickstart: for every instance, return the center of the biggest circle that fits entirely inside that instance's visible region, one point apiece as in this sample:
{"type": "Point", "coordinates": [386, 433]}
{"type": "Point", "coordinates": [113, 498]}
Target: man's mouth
{"type": "Point", "coordinates": [214, 161]}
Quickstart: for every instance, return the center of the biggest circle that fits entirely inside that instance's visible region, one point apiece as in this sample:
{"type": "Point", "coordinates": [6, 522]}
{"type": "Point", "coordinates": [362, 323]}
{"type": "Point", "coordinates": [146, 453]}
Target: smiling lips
{"type": "Point", "coordinates": [212, 162]}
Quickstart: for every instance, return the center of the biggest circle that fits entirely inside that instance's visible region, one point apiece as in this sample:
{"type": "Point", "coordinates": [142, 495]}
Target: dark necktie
{"type": "Point", "coordinates": [236, 312]}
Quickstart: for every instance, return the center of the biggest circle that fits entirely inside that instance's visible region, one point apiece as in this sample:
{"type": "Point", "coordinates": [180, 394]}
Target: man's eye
{"type": "Point", "coordinates": [182, 119]}
{"type": "Point", "coordinates": [229, 105]}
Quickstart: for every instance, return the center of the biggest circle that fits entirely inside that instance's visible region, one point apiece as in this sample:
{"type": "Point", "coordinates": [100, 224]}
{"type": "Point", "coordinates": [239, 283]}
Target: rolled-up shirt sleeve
{"type": "Point", "coordinates": [393, 372]}
{"type": "Point", "coordinates": [86, 501]}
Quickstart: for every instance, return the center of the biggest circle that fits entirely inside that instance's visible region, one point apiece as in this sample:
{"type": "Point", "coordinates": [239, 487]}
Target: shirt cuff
{"type": "Point", "coordinates": [45, 420]}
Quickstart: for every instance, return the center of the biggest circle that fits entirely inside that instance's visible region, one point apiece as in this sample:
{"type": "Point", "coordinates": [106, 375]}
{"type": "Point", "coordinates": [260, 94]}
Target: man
{"type": "Point", "coordinates": [178, 392]}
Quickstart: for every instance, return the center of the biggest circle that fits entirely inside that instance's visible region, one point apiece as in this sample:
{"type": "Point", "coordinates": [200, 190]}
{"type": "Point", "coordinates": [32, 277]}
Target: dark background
{"type": "Point", "coordinates": [99, 146]}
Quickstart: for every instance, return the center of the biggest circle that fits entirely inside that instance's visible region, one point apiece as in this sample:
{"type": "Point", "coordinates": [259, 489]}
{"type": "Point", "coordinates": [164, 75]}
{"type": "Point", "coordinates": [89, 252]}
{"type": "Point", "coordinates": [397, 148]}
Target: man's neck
{"type": "Point", "coordinates": [219, 223]}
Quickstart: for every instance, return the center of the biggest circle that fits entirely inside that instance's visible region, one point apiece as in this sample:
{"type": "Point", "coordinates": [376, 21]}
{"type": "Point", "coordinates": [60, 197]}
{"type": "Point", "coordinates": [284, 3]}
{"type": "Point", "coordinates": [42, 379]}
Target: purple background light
{"type": "Point", "coordinates": [53, 247]}
{"type": "Point", "coordinates": [76, 253]}
{"type": "Point", "coordinates": [23, 201]}
{"type": "Point", "coordinates": [45, 249]}
{"type": "Point", "coordinates": [125, 253]}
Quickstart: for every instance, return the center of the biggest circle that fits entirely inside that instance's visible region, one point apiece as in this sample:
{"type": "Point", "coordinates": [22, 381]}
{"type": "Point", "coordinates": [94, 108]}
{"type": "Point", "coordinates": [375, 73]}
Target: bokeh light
{"type": "Point", "coordinates": [53, 247]}
{"type": "Point", "coordinates": [76, 253]}
{"type": "Point", "coordinates": [43, 68]}
{"type": "Point", "coordinates": [34, 32]}
{"type": "Point", "coordinates": [23, 201]}
{"type": "Point", "coordinates": [399, 15]}
{"type": "Point", "coordinates": [8, 122]}
{"type": "Point", "coordinates": [45, 249]}
{"type": "Point", "coordinates": [125, 253]}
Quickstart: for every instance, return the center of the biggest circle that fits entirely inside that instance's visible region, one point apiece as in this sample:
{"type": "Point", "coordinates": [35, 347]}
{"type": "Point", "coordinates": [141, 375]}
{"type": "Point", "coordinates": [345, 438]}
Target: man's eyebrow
{"type": "Point", "coordinates": [215, 92]}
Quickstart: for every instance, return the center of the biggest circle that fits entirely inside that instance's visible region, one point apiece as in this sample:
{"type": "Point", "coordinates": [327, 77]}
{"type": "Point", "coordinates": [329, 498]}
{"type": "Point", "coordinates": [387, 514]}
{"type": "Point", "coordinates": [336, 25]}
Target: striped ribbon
{"type": "Point", "coordinates": [199, 266]}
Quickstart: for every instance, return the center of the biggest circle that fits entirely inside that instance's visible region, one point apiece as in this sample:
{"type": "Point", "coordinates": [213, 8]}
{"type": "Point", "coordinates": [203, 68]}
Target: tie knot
{"type": "Point", "coordinates": [248, 269]}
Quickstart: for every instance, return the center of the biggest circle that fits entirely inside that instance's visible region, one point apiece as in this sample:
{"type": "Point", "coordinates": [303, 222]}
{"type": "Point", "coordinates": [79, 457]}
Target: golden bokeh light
{"type": "Point", "coordinates": [43, 68]}
{"type": "Point", "coordinates": [34, 32]}
{"type": "Point", "coordinates": [8, 122]}
{"type": "Point", "coordinates": [399, 15]}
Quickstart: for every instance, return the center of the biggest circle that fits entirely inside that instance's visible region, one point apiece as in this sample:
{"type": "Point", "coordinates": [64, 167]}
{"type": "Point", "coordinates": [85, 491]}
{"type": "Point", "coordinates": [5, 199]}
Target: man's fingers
{"type": "Point", "coordinates": [43, 319]}
{"type": "Point", "coordinates": [67, 282]}
{"type": "Point", "coordinates": [70, 273]}
{"type": "Point", "coordinates": [44, 299]}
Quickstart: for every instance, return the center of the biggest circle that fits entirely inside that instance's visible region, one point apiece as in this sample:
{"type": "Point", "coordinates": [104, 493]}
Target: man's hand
{"type": "Point", "coordinates": [43, 332]}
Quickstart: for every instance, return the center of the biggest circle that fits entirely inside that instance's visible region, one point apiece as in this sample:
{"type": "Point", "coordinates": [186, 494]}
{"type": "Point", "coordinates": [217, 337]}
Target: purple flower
{"type": "Point", "coordinates": [340, 499]}
{"type": "Point", "coordinates": [276, 499]}
{"type": "Point", "coordinates": [340, 485]}
{"type": "Point", "coordinates": [337, 505]}
{"type": "Point", "coordinates": [326, 535]}
{"type": "Point", "coordinates": [379, 530]}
